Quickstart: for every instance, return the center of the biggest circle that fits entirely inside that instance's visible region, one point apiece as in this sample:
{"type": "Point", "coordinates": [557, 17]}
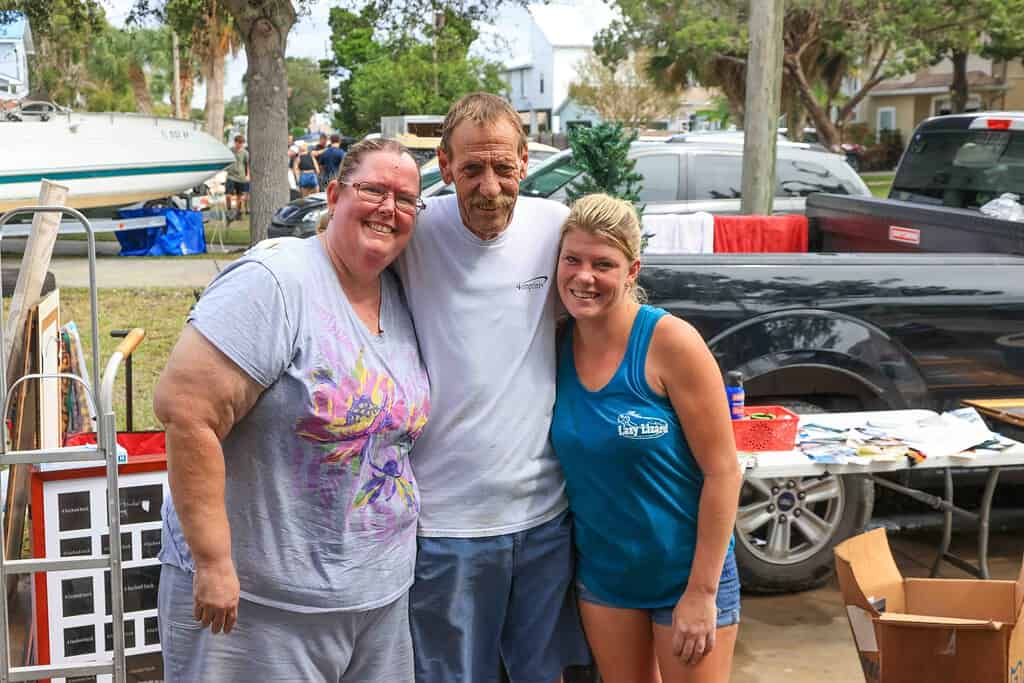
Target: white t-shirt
{"type": "Point", "coordinates": [485, 317]}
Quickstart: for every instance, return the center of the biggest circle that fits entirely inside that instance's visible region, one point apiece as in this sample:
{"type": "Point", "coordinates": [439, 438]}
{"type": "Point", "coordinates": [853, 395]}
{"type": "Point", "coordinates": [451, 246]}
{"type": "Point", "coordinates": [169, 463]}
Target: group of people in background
{"type": "Point", "coordinates": [310, 169]}
{"type": "Point", "coordinates": [313, 167]}
{"type": "Point", "coordinates": [391, 461]}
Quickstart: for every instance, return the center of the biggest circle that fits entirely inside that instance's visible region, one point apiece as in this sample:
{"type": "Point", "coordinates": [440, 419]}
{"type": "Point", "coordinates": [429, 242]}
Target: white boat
{"type": "Point", "coordinates": [105, 159]}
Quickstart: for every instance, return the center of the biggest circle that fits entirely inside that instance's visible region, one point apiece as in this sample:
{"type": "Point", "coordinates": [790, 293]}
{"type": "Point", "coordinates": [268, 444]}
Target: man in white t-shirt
{"type": "Point", "coordinates": [494, 565]}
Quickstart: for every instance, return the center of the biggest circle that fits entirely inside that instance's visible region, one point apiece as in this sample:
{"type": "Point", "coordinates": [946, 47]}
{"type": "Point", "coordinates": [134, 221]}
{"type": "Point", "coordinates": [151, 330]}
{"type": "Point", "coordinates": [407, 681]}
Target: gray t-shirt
{"type": "Point", "coordinates": [320, 494]}
{"type": "Point", "coordinates": [239, 169]}
{"type": "Point", "coordinates": [485, 316]}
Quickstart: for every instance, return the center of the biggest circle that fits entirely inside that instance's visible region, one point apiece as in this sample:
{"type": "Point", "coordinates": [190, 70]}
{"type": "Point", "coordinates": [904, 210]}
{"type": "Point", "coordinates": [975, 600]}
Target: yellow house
{"type": "Point", "coordinates": [902, 103]}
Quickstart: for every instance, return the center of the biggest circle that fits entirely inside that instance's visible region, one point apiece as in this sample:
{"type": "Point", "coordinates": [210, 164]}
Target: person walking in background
{"type": "Point", "coordinates": [330, 160]}
{"type": "Point", "coordinates": [306, 170]}
{"type": "Point", "coordinates": [237, 185]}
{"type": "Point", "coordinates": [642, 430]}
{"type": "Point", "coordinates": [494, 560]}
{"type": "Point", "coordinates": [291, 403]}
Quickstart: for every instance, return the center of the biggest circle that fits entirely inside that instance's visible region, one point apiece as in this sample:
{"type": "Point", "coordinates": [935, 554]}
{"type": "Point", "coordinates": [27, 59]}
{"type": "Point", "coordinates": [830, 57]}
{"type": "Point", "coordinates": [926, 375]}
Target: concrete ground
{"type": "Point", "coordinates": [70, 267]}
{"type": "Point", "coordinates": [805, 638]}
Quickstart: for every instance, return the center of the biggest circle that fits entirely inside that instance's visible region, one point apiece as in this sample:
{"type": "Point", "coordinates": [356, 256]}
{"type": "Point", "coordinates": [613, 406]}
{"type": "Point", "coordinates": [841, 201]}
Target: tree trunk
{"type": "Point", "coordinates": [176, 90]}
{"type": "Point", "coordinates": [958, 89]}
{"type": "Point", "coordinates": [213, 74]}
{"type": "Point", "coordinates": [140, 88]}
{"type": "Point", "coordinates": [188, 86]}
{"type": "Point", "coordinates": [264, 25]}
{"type": "Point", "coordinates": [828, 134]}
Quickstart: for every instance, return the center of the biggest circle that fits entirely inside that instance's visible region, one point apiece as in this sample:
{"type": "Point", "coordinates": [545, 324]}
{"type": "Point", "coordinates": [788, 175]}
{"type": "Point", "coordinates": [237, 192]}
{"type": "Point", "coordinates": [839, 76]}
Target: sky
{"type": "Point", "coordinates": [310, 37]}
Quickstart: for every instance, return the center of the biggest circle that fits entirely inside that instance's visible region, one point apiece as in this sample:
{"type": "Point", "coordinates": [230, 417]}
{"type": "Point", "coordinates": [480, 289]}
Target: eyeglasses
{"type": "Point", "coordinates": [376, 194]}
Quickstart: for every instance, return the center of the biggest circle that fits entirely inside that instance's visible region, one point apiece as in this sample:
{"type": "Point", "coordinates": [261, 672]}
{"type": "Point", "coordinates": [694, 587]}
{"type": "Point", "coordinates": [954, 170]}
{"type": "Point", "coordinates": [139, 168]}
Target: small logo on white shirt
{"type": "Point", "coordinates": [533, 283]}
{"type": "Point", "coordinates": [633, 425]}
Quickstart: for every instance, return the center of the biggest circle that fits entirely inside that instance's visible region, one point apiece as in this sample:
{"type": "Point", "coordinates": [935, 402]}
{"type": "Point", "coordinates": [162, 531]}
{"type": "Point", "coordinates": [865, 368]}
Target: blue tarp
{"type": "Point", "coordinates": [183, 234]}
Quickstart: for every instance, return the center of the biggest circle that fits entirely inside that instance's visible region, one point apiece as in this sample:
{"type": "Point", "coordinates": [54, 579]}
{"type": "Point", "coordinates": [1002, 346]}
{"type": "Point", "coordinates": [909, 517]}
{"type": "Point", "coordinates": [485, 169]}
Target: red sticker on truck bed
{"type": "Point", "coordinates": [905, 235]}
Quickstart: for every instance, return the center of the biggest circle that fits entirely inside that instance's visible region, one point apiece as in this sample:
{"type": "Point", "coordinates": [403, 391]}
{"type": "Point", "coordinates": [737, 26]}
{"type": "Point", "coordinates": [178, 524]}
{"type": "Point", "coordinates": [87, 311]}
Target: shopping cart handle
{"type": "Point", "coordinates": [131, 341]}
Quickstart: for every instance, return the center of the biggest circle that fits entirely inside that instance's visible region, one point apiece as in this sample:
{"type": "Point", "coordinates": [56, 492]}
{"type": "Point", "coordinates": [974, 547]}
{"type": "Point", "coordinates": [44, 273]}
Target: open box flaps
{"type": "Point", "coordinates": [936, 630]}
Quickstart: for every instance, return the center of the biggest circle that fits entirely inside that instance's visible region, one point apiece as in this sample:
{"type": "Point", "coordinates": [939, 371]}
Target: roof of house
{"type": "Point", "coordinates": [932, 82]}
{"type": "Point", "coordinates": [572, 25]}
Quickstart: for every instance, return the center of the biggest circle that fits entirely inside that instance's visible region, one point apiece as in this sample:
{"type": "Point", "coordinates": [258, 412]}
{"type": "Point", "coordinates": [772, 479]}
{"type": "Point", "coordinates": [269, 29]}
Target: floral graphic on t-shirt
{"type": "Point", "coordinates": [387, 481]}
{"type": "Point", "coordinates": [347, 412]}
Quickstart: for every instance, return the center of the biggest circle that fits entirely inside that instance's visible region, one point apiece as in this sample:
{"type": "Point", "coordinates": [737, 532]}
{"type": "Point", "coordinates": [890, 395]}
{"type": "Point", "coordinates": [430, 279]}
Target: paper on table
{"type": "Point", "coordinates": [946, 434]}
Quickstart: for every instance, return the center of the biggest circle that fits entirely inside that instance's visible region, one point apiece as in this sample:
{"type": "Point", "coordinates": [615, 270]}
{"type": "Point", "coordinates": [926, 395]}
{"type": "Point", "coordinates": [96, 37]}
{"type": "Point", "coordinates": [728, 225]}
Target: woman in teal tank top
{"type": "Point", "coordinates": [641, 427]}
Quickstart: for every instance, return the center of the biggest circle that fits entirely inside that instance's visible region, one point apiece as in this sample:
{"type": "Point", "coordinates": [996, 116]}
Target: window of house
{"type": "Point", "coordinates": [660, 177]}
{"type": "Point", "coordinates": [542, 84]}
{"type": "Point", "coordinates": [886, 119]}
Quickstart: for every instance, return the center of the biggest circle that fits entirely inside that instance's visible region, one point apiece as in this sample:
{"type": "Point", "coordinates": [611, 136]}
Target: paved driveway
{"type": "Point", "coordinates": [70, 266]}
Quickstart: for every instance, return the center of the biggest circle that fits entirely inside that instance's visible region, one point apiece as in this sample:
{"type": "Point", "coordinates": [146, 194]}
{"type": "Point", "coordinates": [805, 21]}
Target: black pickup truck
{"type": "Point", "coordinates": [896, 305]}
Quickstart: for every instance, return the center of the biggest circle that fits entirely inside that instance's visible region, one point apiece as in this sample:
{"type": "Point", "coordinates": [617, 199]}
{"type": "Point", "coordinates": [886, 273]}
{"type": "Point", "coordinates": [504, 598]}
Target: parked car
{"type": "Point", "coordinates": [430, 172]}
{"type": "Point", "coordinates": [703, 176]}
{"type": "Point", "coordinates": [35, 111]}
{"type": "Point", "coordinates": [300, 217]}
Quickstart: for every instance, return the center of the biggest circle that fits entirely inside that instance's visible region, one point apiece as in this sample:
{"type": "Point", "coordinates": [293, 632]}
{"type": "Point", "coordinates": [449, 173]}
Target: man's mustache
{"type": "Point", "coordinates": [499, 203]}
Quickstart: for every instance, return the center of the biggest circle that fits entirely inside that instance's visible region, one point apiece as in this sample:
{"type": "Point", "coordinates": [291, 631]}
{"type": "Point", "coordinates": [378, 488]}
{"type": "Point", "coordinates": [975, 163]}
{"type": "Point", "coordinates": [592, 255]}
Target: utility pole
{"type": "Point", "coordinates": [177, 74]}
{"type": "Point", "coordinates": [764, 83]}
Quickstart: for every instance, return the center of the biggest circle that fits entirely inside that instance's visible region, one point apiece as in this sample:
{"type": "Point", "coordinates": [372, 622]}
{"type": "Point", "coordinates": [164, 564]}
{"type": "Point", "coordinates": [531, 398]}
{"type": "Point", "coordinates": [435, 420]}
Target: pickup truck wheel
{"type": "Point", "coordinates": [786, 528]}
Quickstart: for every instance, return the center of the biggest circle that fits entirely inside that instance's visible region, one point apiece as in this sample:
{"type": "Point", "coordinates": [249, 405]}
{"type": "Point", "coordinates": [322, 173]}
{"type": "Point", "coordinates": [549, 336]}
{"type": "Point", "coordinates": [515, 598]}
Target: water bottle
{"type": "Point", "coordinates": [735, 394]}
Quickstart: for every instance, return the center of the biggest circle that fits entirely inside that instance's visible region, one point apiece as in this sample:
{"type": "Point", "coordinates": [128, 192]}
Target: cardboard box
{"type": "Point", "coordinates": [934, 630]}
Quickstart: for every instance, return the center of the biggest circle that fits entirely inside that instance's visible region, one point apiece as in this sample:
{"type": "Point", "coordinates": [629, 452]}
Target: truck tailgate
{"type": "Point", "coordinates": [843, 223]}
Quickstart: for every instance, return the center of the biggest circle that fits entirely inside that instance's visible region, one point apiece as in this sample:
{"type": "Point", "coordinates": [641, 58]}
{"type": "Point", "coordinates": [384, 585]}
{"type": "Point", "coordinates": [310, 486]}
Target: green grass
{"type": "Point", "coordinates": [879, 184]}
{"type": "Point", "coordinates": [160, 311]}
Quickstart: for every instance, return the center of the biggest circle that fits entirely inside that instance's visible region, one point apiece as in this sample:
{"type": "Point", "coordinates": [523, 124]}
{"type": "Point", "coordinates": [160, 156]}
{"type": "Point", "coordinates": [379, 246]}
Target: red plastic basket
{"type": "Point", "coordinates": [766, 435]}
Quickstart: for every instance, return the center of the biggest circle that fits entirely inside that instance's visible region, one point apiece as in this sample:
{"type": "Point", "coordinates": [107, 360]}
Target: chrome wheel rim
{"type": "Point", "coordinates": [787, 520]}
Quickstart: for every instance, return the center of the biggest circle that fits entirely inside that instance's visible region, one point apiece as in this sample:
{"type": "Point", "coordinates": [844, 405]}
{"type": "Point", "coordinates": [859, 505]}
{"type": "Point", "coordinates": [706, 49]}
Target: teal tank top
{"type": "Point", "coordinates": [632, 482]}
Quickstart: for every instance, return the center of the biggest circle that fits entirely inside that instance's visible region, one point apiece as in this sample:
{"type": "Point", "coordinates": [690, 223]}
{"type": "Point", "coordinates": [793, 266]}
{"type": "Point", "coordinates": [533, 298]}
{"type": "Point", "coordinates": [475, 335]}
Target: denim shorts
{"type": "Point", "coordinates": [727, 599]}
{"type": "Point", "coordinates": [308, 179]}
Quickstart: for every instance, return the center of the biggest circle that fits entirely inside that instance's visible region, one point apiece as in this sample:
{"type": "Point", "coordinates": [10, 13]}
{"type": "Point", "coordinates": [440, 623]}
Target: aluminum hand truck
{"type": "Point", "coordinates": [105, 449]}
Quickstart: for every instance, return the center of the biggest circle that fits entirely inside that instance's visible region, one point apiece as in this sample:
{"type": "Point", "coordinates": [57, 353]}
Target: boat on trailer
{"type": "Point", "coordinates": [105, 160]}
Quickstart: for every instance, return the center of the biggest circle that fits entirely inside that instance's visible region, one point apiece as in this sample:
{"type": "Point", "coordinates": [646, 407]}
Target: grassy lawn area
{"type": "Point", "coordinates": [879, 183]}
{"type": "Point", "coordinates": [161, 312]}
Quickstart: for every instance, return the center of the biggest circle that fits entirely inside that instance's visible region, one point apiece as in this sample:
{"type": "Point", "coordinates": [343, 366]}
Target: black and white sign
{"type": "Point", "coordinates": [75, 525]}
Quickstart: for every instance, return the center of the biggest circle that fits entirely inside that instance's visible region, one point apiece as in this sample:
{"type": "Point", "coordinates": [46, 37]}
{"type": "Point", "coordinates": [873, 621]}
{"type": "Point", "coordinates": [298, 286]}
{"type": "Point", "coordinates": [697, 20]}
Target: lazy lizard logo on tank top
{"type": "Point", "coordinates": [633, 425]}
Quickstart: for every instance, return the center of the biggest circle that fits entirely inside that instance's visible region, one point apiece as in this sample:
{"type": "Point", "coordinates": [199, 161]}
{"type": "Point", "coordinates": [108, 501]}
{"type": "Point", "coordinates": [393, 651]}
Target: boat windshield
{"type": "Point", "coordinates": [961, 168]}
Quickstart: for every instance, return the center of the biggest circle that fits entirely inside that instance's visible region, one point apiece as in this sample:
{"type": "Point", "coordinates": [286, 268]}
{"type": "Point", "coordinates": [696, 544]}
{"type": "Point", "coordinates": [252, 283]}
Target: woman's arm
{"type": "Point", "coordinates": [200, 396]}
{"type": "Point", "coordinates": [681, 364]}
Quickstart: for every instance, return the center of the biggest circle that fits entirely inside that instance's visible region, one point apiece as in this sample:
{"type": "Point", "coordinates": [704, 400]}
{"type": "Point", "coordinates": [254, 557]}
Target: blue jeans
{"type": "Point", "coordinates": [478, 601]}
{"type": "Point", "coordinates": [727, 599]}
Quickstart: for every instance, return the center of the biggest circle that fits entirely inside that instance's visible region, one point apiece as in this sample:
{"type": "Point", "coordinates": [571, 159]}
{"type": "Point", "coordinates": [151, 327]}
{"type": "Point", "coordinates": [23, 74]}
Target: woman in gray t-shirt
{"type": "Point", "coordinates": [291, 403]}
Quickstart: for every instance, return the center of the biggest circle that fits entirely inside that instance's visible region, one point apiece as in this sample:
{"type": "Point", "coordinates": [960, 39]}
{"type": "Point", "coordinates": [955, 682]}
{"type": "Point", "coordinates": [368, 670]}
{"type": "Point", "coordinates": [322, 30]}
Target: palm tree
{"type": "Point", "coordinates": [208, 37]}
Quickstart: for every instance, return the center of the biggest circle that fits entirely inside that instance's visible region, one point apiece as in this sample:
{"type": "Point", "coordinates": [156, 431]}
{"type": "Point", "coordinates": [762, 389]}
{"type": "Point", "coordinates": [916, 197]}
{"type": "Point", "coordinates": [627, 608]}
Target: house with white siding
{"type": "Point", "coordinates": [544, 45]}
